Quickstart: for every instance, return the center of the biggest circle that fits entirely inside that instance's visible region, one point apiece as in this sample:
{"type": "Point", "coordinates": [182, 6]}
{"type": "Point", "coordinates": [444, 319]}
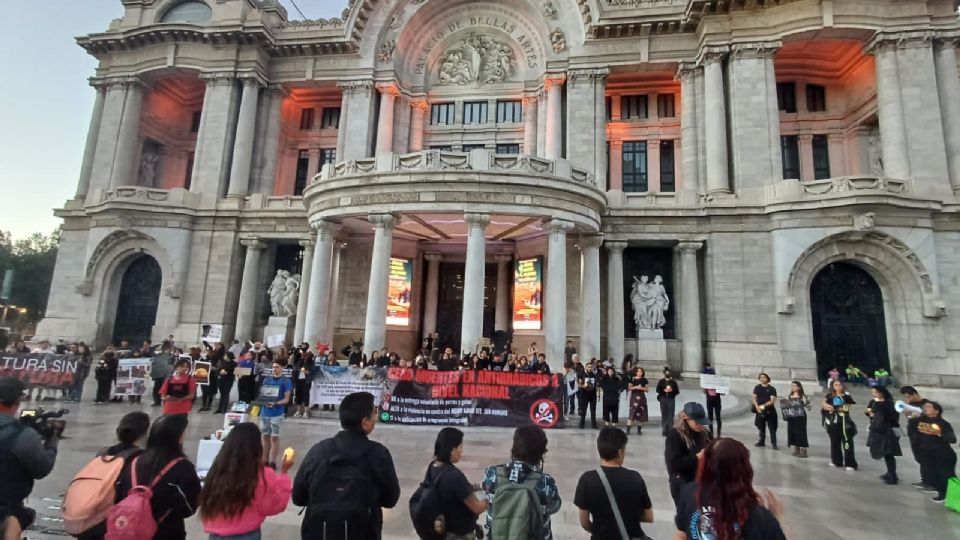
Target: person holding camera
{"type": "Point", "coordinates": [25, 454]}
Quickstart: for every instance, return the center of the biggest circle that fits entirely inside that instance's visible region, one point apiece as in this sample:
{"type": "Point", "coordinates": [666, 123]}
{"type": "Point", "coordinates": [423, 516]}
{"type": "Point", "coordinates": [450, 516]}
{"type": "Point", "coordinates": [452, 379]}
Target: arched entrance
{"type": "Point", "coordinates": [848, 319]}
{"type": "Point", "coordinates": [138, 300]}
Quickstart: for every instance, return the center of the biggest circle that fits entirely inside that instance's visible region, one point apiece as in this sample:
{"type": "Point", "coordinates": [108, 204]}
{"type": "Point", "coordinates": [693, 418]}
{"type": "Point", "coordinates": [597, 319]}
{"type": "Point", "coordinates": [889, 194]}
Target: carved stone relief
{"type": "Point", "coordinates": [386, 50]}
{"type": "Point", "coordinates": [559, 41]}
{"type": "Point", "coordinates": [477, 59]}
{"type": "Point", "coordinates": [549, 11]}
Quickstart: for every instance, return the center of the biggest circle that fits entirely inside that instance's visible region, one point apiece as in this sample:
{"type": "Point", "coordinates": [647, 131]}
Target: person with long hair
{"type": "Point", "coordinates": [460, 504]}
{"type": "Point", "coordinates": [722, 504]}
{"type": "Point", "coordinates": [883, 438]}
{"type": "Point", "coordinates": [240, 492]}
{"type": "Point", "coordinates": [797, 425]}
{"type": "Point", "coordinates": [228, 368]}
{"type": "Point", "coordinates": [764, 406]}
{"type": "Point", "coordinates": [684, 445]}
{"type": "Point", "coordinates": [610, 388]}
{"type": "Point", "coordinates": [637, 387]}
{"type": "Point", "coordinates": [175, 495]}
{"type": "Point", "coordinates": [840, 427]}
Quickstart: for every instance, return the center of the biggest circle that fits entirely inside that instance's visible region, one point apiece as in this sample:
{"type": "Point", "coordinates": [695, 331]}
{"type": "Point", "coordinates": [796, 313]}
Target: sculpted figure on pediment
{"type": "Point", "coordinates": [477, 59]}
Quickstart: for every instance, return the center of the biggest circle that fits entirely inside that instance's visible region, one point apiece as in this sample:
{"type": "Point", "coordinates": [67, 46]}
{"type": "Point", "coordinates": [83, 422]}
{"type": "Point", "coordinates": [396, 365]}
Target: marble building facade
{"type": "Point", "coordinates": [790, 168]}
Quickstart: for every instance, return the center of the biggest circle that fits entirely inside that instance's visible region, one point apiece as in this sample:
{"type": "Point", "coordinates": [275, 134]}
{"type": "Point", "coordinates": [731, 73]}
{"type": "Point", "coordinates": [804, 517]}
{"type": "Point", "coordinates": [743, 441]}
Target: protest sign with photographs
{"type": "Point", "coordinates": [133, 376]}
{"type": "Point", "coordinates": [201, 372]}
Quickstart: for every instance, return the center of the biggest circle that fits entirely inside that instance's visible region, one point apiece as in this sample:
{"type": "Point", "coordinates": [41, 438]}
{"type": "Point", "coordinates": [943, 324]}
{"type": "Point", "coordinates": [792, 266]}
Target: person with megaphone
{"type": "Point", "coordinates": [934, 439]}
{"type": "Point", "coordinates": [913, 409]}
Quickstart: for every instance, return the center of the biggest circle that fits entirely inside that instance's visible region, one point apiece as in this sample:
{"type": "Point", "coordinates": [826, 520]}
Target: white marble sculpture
{"type": "Point", "coordinates": [148, 169]}
{"type": "Point", "coordinates": [477, 59]}
{"type": "Point", "coordinates": [284, 292]}
{"type": "Point", "coordinates": [650, 302]}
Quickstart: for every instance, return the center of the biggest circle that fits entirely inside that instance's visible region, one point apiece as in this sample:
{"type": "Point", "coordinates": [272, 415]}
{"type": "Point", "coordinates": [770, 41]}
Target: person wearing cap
{"type": "Point", "coordinates": [684, 445]}
{"type": "Point", "coordinates": [24, 455]}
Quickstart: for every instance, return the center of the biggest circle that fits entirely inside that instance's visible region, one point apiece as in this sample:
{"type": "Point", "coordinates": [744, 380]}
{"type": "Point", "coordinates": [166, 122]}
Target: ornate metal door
{"type": "Point", "coordinates": [848, 320]}
{"type": "Point", "coordinates": [138, 299]}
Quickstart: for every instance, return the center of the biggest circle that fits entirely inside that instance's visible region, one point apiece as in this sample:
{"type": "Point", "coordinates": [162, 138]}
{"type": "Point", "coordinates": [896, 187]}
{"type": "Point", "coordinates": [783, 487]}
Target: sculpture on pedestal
{"type": "Point", "coordinates": [650, 302]}
{"type": "Point", "coordinates": [284, 292]}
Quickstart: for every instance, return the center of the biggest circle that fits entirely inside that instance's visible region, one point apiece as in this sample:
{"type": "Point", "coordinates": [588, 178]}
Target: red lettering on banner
{"type": "Point", "coordinates": [400, 374]}
{"type": "Point", "coordinates": [469, 376]}
{"type": "Point", "coordinates": [514, 379]}
{"type": "Point", "coordinates": [445, 391]}
{"type": "Point", "coordinates": [486, 391]}
{"type": "Point", "coordinates": [426, 376]}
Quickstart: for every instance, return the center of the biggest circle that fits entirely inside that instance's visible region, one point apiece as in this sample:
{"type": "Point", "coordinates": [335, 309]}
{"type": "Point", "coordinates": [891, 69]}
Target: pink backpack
{"type": "Point", "coordinates": [92, 493]}
{"type": "Point", "coordinates": [132, 518]}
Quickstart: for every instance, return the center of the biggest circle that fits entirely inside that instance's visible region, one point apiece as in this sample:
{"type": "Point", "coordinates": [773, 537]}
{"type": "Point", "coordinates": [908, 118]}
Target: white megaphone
{"type": "Point", "coordinates": [903, 406]}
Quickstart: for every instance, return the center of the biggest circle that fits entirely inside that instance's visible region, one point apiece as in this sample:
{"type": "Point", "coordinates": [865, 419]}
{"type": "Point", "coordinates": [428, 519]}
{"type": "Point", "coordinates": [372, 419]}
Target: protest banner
{"type": "Point", "coordinates": [719, 383]}
{"type": "Point", "coordinates": [56, 371]}
{"type": "Point", "coordinates": [133, 376]}
{"type": "Point", "coordinates": [211, 333]}
{"type": "Point", "coordinates": [275, 342]}
{"type": "Point", "coordinates": [333, 383]}
{"type": "Point", "coordinates": [201, 372]}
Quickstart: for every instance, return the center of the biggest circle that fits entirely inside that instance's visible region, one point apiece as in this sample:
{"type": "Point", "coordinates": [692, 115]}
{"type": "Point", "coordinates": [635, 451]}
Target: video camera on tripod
{"type": "Point", "coordinates": [46, 423]}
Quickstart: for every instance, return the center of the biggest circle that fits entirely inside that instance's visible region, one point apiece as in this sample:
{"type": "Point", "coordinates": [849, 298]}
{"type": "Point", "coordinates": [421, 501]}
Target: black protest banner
{"type": "Point", "coordinates": [472, 398]}
{"type": "Point", "coordinates": [56, 371]}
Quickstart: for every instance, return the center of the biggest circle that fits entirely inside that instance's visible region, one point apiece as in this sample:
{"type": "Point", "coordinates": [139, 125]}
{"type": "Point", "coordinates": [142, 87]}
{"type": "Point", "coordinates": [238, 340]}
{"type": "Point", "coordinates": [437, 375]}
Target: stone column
{"type": "Point", "coordinates": [530, 107]}
{"type": "Point", "coordinates": [688, 128]}
{"type": "Point", "coordinates": [93, 134]}
{"type": "Point", "coordinates": [243, 142]}
{"type": "Point", "coordinates": [555, 310]}
{"type": "Point", "coordinates": [417, 123]}
{"type": "Point", "coordinates": [690, 333]}
{"type": "Point", "coordinates": [313, 164]}
{"type": "Point", "coordinates": [653, 166]}
{"type": "Point", "coordinates": [718, 179]}
{"type": "Point", "coordinates": [616, 166]}
{"type": "Point", "coordinates": [590, 296]}
{"type": "Point", "coordinates": [267, 174]}
{"type": "Point", "coordinates": [893, 135]}
{"type": "Point", "coordinates": [554, 121]}
{"type": "Point", "coordinates": [948, 86]}
{"type": "Point", "coordinates": [375, 329]}
{"type": "Point", "coordinates": [806, 157]}
{"type": "Point", "coordinates": [303, 298]}
{"type": "Point", "coordinates": [754, 115]}
{"type": "Point", "coordinates": [600, 118]}
{"type": "Point", "coordinates": [432, 295]}
{"type": "Point", "coordinates": [502, 313]}
{"type": "Point", "coordinates": [615, 316]}
{"type": "Point", "coordinates": [357, 126]}
{"type": "Point", "coordinates": [388, 100]}
{"type": "Point", "coordinates": [318, 305]}
{"type": "Point", "coordinates": [103, 157]}
{"type": "Point", "coordinates": [471, 329]}
{"type": "Point", "coordinates": [249, 289]}
{"type": "Point", "coordinates": [333, 301]}
{"type": "Point", "coordinates": [125, 165]}
{"type": "Point", "coordinates": [214, 140]}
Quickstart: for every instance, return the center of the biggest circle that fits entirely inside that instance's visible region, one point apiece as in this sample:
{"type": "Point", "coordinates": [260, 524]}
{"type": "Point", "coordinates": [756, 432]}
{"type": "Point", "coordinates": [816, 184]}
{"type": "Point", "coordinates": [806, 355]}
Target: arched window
{"type": "Point", "coordinates": [191, 12]}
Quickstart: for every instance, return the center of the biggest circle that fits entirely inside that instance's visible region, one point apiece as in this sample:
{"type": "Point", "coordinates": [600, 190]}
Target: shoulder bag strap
{"type": "Point", "coordinates": [133, 472]}
{"type": "Point", "coordinates": [163, 472]}
{"type": "Point", "coordinates": [613, 503]}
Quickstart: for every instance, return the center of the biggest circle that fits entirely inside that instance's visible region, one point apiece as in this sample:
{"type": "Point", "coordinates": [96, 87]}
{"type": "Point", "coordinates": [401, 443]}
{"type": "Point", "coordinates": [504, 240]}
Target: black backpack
{"type": "Point", "coordinates": [342, 497]}
{"type": "Point", "coordinates": [425, 505]}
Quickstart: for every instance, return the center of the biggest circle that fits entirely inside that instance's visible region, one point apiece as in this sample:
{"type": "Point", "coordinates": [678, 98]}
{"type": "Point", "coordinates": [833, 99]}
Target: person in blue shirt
{"type": "Point", "coordinates": [275, 392]}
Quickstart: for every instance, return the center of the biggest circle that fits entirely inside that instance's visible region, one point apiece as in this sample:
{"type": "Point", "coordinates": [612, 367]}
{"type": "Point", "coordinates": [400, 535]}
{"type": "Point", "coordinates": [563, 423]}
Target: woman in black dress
{"type": "Point", "coordinates": [637, 387]}
{"type": "Point", "coordinates": [840, 427]}
{"type": "Point", "coordinates": [611, 387]}
{"type": "Point", "coordinates": [883, 438]}
{"type": "Point", "coordinates": [797, 425]}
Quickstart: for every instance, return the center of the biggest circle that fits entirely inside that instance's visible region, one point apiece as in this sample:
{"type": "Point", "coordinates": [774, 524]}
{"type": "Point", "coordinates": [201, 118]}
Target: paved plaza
{"type": "Point", "coordinates": [820, 502]}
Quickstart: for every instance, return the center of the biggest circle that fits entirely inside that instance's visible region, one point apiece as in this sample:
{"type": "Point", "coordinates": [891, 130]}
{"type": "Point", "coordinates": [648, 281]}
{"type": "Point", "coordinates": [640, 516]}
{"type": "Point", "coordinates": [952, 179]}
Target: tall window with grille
{"type": "Point", "coordinates": [327, 155]}
{"type": "Point", "coordinates": [790, 152]}
{"type": "Point", "coordinates": [787, 96]}
{"type": "Point", "coordinates": [821, 157]}
{"type": "Point", "coordinates": [635, 166]}
{"type": "Point", "coordinates": [475, 112]}
{"type": "Point", "coordinates": [633, 107]}
{"type": "Point", "coordinates": [668, 170]}
{"type": "Point", "coordinates": [330, 119]}
{"type": "Point", "coordinates": [441, 114]}
{"type": "Point", "coordinates": [666, 106]}
{"type": "Point", "coordinates": [306, 118]}
{"type": "Point", "coordinates": [816, 98]}
{"type": "Point", "coordinates": [509, 112]}
{"type": "Point", "coordinates": [303, 171]}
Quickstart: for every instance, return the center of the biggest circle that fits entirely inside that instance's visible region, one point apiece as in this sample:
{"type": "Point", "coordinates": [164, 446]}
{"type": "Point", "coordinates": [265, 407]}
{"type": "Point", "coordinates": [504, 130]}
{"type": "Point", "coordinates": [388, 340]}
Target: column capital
{"type": "Point", "coordinates": [253, 243]}
{"type": "Point", "coordinates": [530, 99]}
{"type": "Point", "coordinates": [554, 79]}
{"type": "Point", "coordinates": [891, 41]}
{"type": "Point", "coordinates": [383, 221]}
{"type": "Point", "coordinates": [325, 227]}
{"type": "Point", "coordinates": [420, 103]}
{"type": "Point", "coordinates": [356, 87]}
{"type": "Point", "coordinates": [477, 220]}
{"type": "Point", "coordinates": [503, 258]}
{"type": "Point", "coordinates": [686, 247]}
{"type": "Point", "coordinates": [308, 243]}
{"type": "Point", "coordinates": [117, 82]}
{"type": "Point", "coordinates": [436, 257]}
{"type": "Point", "coordinates": [218, 78]}
{"type": "Point", "coordinates": [560, 226]}
{"type": "Point", "coordinates": [712, 54]}
{"type": "Point", "coordinates": [591, 240]}
{"type": "Point", "coordinates": [756, 49]}
{"type": "Point", "coordinates": [587, 76]}
{"type": "Point", "coordinates": [686, 71]}
{"type": "Point", "coordinates": [252, 78]}
{"type": "Point", "coordinates": [616, 144]}
{"type": "Point", "coordinates": [946, 40]}
{"type": "Point", "coordinates": [615, 246]}
{"type": "Point", "coordinates": [388, 88]}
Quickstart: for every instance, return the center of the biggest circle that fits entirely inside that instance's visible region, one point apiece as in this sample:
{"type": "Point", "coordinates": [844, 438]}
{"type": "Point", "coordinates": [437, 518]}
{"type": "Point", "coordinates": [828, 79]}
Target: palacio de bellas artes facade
{"type": "Point", "coordinates": [780, 178]}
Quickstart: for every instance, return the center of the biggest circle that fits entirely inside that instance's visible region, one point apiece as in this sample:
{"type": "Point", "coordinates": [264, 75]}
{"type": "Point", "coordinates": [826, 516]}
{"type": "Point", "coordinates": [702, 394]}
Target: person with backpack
{"type": "Point", "coordinates": [239, 492]}
{"type": "Point", "coordinates": [345, 480]}
{"type": "Point", "coordinates": [446, 505]}
{"type": "Point", "coordinates": [613, 501]}
{"type": "Point", "coordinates": [160, 488]}
{"type": "Point", "coordinates": [92, 493]}
{"type": "Point", "coordinates": [179, 389]}
{"type": "Point", "coordinates": [520, 496]}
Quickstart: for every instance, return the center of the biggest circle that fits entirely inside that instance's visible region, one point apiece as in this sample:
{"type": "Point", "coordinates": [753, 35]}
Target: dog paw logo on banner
{"type": "Point", "coordinates": [545, 413]}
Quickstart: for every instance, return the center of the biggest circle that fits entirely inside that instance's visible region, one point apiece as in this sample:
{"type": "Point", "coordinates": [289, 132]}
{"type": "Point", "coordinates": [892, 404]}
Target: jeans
{"type": "Point", "coordinates": [667, 408]}
{"type": "Point", "coordinates": [252, 535]}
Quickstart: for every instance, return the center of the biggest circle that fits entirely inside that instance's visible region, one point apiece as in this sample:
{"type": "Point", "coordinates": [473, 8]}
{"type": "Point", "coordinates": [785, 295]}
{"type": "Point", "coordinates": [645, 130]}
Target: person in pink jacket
{"type": "Point", "coordinates": [240, 492]}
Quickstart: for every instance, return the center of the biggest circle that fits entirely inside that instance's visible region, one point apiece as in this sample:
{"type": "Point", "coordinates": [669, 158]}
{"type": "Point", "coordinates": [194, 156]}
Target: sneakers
{"type": "Point", "coordinates": [851, 469]}
{"type": "Point", "coordinates": [891, 480]}
{"type": "Point", "coordinates": [938, 498]}
{"type": "Point", "coordinates": [832, 464]}
{"type": "Point", "coordinates": [928, 489]}
{"type": "Point", "coordinates": [760, 444]}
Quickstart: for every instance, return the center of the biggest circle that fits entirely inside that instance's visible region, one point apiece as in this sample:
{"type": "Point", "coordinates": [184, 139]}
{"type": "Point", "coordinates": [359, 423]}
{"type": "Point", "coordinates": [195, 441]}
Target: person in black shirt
{"type": "Point", "coordinates": [459, 502]}
{"type": "Point", "coordinates": [840, 427]}
{"type": "Point", "coordinates": [912, 397]}
{"type": "Point", "coordinates": [629, 492]}
{"type": "Point", "coordinates": [683, 446]}
{"type": "Point", "coordinates": [611, 387]}
{"type": "Point", "coordinates": [764, 400]}
{"type": "Point", "coordinates": [587, 383]}
{"type": "Point", "coordinates": [713, 506]}
{"type": "Point", "coordinates": [935, 437]}
{"type": "Point", "coordinates": [225, 382]}
{"type": "Point", "coordinates": [883, 439]}
{"type": "Point", "coordinates": [667, 390]}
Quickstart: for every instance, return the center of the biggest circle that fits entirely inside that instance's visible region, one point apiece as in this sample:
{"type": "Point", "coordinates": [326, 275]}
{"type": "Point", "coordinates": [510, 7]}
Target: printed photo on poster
{"type": "Point", "coordinates": [528, 294]}
{"type": "Point", "coordinates": [133, 374]}
{"type": "Point", "coordinates": [201, 372]}
{"type": "Point", "coordinates": [398, 295]}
